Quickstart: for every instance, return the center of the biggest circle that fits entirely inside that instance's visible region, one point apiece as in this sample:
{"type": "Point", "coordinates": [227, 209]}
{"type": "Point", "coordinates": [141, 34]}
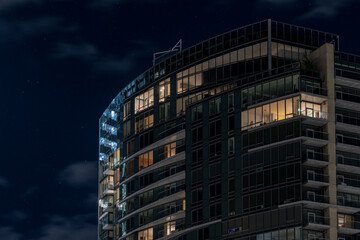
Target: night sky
{"type": "Point", "coordinates": [63, 61]}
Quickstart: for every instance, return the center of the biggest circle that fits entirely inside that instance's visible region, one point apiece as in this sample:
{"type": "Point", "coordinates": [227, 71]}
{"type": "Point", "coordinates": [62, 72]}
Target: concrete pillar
{"type": "Point", "coordinates": [323, 59]}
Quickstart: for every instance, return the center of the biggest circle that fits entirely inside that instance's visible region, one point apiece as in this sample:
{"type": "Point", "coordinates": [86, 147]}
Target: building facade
{"type": "Point", "coordinates": [252, 134]}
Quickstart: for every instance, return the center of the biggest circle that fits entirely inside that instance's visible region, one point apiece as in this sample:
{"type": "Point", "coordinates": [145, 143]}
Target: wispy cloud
{"type": "Point", "coordinates": [80, 174]}
{"type": "Point", "coordinates": [17, 216]}
{"type": "Point", "coordinates": [3, 182]}
{"type": "Point", "coordinates": [8, 4]}
{"type": "Point", "coordinates": [9, 233]}
{"type": "Point", "coordinates": [101, 62]}
{"type": "Point", "coordinates": [15, 29]}
{"type": "Point", "coordinates": [316, 8]}
{"type": "Point", "coordinates": [79, 227]}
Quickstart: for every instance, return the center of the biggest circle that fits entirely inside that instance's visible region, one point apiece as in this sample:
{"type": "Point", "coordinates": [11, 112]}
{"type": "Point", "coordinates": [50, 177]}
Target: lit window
{"type": "Point", "coordinates": [164, 90]}
{"type": "Point", "coordinates": [144, 100]}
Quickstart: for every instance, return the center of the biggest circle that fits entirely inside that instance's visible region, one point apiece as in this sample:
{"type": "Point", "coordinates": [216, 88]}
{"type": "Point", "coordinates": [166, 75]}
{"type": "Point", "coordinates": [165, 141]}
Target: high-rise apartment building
{"type": "Point", "coordinates": [253, 134]}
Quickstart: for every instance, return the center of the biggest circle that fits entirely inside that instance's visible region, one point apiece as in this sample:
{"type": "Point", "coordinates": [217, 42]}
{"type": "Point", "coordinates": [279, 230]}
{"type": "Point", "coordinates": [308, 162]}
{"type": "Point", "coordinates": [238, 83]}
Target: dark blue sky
{"type": "Point", "coordinates": [62, 62]}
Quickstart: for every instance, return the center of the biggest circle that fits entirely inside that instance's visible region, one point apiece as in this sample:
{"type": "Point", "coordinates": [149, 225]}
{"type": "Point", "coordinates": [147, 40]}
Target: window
{"type": "Point", "coordinates": [170, 150]}
{"type": "Point", "coordinates": [127, 110]}
{"type": "Point", "coordinates": [127, 129]}
{"type": "Point", "coordinates": [146, 235]}
{"type": "Point", "coordinates": [130, 147]}
{"type": "Point", "coordinates": [215, 149]}
{"type": "Point", "coordinates": [164, 90]}
{"type": "Point", "coordinates": [144, 121]}
{"type": "Point", "coordinates": [197, 196]}
{"type": "Point", "coordinates": [215, 210]}
{"type": "Point", "coordinates": [130, 169]}
{"type": "Point", "coordinates": [169, 228]}
{"type": "Point", "coordinates": [215, 128]}
{"type": "Point", "coordinates": [231, 102]}
{"type": "Point", "coordinates": [215, 106]}
{"type": "Point", "coordinates": [231, 146]}
{"type": "Point", "coordinates": [164, 112]}
{"type": "Point", "coordinates": [144, 100]}
{"type": "Point", "coordinates": [196, 113]}
{"type": "Point", "coordinates": [146, 160]}
{"type": "Point", "coordinates": [197, 135]}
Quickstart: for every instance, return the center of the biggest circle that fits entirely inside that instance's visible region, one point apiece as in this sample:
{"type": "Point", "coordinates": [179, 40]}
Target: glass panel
{"type": "Point", "coordinates": [259, 115]}
{"type": "Point", "coordinates": [264, 49]}
{"type": "Point", "coordinates": [281, 110]}
{"type": "Point", "coordinates": [233, 56]}
{"type": "Point", "coordinates": [289, 108]}
{"type": "Point", "coordinates": [248, 52]}
{"type": "Point", "coordinates": [273, 112]}
{"type": "Point", "coordinates": [244, 119]}
{"type": "Point", "coordinates": [252, 117]}
{"type": "Point", "coordinates": [256, 50]}
{"type": "Point", "coordinates": [241, 54]}
{"type": "Point", "coordinates": [266, 113]}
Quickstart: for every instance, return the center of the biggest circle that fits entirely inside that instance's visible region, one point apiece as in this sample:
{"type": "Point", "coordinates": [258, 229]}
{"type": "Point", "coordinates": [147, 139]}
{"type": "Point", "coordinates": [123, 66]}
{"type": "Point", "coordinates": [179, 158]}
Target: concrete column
{"type": "Point", "coordinates": [323, 59]}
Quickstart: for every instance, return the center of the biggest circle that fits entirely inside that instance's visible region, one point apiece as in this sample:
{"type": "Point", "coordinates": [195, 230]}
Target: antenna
{"type": "Point", "coordinates": [176, 48]}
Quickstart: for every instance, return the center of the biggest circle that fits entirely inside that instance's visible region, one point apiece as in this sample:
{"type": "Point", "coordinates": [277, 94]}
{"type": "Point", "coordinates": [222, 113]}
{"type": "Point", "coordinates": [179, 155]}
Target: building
{"type": "Point", "coordinates": [252, 134]}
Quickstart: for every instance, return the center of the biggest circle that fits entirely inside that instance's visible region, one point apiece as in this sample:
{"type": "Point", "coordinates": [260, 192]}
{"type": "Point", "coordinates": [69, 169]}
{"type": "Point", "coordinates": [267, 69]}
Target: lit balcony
{"type": "Point", "coordinates": [108, 189]}
{"type": "Point", "coordinates": [317, 223]}
{"type": "Point", "coordinates": [315, 159]}
{"type": "Point", "coordinates": [348, 185]}
{"type": "Point", "coordinates": [315, 138]}
{"type": "Point", "coordinates": [315, 180]}
{"type": "Point", "coordinates": [348, 227]}
{"type": "Point", "coordinates": [349, 165]}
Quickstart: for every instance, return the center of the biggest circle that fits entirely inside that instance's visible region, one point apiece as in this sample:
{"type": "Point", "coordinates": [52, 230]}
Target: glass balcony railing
{"type": "Point", "coordinates": [348, 120]}
{"type": "Point", "coordinates": [348, 182]}
{"type": "Point", "coordinates": [108, 186]}
{"type": "Point", "coordinates": [315, 134]}
{"type": "Point", "coordinates": [348, 203]}
{"type": "Point", "coordinates": [344, 223]}
{"type": "Point", "coordinates": [310, 155]}
{"type": "Point", "coordinates": [314, 114]}
{"type": "Point", "coordinates": [348, 140]}
{"type": "Point", "coordinates": [348, 161]}
{"type": "Point", "coordinates": [316, 198]}
{"type": "Point", "coordinates": [317, 220]}
{"type": "Point", "coordinates": [347, 97]}
{"type": "Point", "coordinates": [316, 177]}
{"type": "Point", "coordinates": [314, 90]}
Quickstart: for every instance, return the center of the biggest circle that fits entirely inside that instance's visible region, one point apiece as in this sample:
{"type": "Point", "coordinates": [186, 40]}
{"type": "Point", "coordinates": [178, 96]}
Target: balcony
{"type": "Point", "coordinates": [348, 227]}
{"type": "Point", "coordinates": [347, 206]}
{"type": "Point", "coordinates": [314, 90]}
{"type": "Point", "coordinates": [348, 185]}
{"type": "Point", "coordinates": [315, 159]}
{"type": "Point", "coordinates": [317, 223]}
{"type": "Point", "coordinates": [347, 100]}
{"type": "Point", "coordinates": [347, 143]}
{"type": "Point", "coordinates": [315, 201]}
{"type": "Point", "coordinates": [349, 165]}
{"type": "Point", "coordinates": [314, 117]}
{"type": "Point", "coordinates": [346, 123]}
{"type": "Point", "coordinates": [108, 189]}
{"type": "Point", "coordinates": [315, 138]}
{"type": "Point", "coordinates": [315, 180]}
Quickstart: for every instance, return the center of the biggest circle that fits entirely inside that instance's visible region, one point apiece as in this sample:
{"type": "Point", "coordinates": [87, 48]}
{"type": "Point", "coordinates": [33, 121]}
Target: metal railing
{"type": "Point", "coordinates": [317, 219]}
{"type": "Point", "coordinates": [314, 114]}
{"type": "Point", "coordinates": [348, 120]}
{"type": "Point", "coordinates": [316, 156]}
{"type": "Point", "coordinates": [347, 97]}
{"type": "Point", "coordinates": [344, 223]}
{"type": "Point", "coordinates": [314, 90]}
{"type": "Point", "coordinates": [348, 140]}
{"type": "Point", "coordinates": [308, 176]}
{"type": "Point", "coordinates": [347, 203]}
{"type": "Point", "coordinates": [315, 134]}
{"type": "Point", "coordinates": [348, 182]}
{"type": "Point", "coordinates": [316, 198]}
{"type": "Point", "coordinates": [348, 161]}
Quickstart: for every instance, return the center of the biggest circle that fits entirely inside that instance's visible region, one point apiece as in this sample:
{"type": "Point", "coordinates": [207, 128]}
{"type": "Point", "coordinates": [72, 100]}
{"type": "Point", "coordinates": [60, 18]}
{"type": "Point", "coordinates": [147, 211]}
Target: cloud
{"type": "Point", "coordinates": [91, 200]}
{"type": "Point", "coordinates": [79, 227]}
{"type": "Point", "coordinates": [80, 174]}
{"type": "Point", "coordinates": [325, 8]}
{"type": "Point", "coordinates": [317, 8]}
{"type": "Point", "coordinates": [102, 62]}
{"type": "Point", "coordinates": [15, 29]}
{"type": "Point", "coordinates": [84, 51]}
{"type": "Point", "coordinates": [3, 182]}
{"type": "Point", "coordinates": [7, 4]}
{"type": "Point", "coordinates": [17, 216]}
{"type": "Point", "coordinates": [9, 233]}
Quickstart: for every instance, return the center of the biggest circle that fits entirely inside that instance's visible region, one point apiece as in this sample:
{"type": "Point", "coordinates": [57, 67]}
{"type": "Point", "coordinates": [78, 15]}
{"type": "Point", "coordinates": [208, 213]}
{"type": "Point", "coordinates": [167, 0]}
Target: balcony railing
{"type": "Point", "coordinates": [317, 198]}
{"type": "Point", "coordinates": [348, 203]}
{"type": "Point", "coordinates": [317, 220]}
{"type": "Point", "coordinates": [348, 182]}
{"type": "Point", "coordinates": [348, 120]}
{"type": "Point", "coordinates": [344, 223]}
{"type": "Point", "coordinates": [314, 114]}
{"type": "Point", "coordinates": [314, 90]}
{"type": "Point", "coordinates": [348, 161]}
{"type": "Point", "coordinates": [348, 140]}
{"type": "Point", "coordinates": [315, 134]}
{"type": "Point", "coordinates": [310, 155]}
{"type": "Point", "coordinates": [347, 97]}
{"type": "Point", "coordinates": [316, 177]}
